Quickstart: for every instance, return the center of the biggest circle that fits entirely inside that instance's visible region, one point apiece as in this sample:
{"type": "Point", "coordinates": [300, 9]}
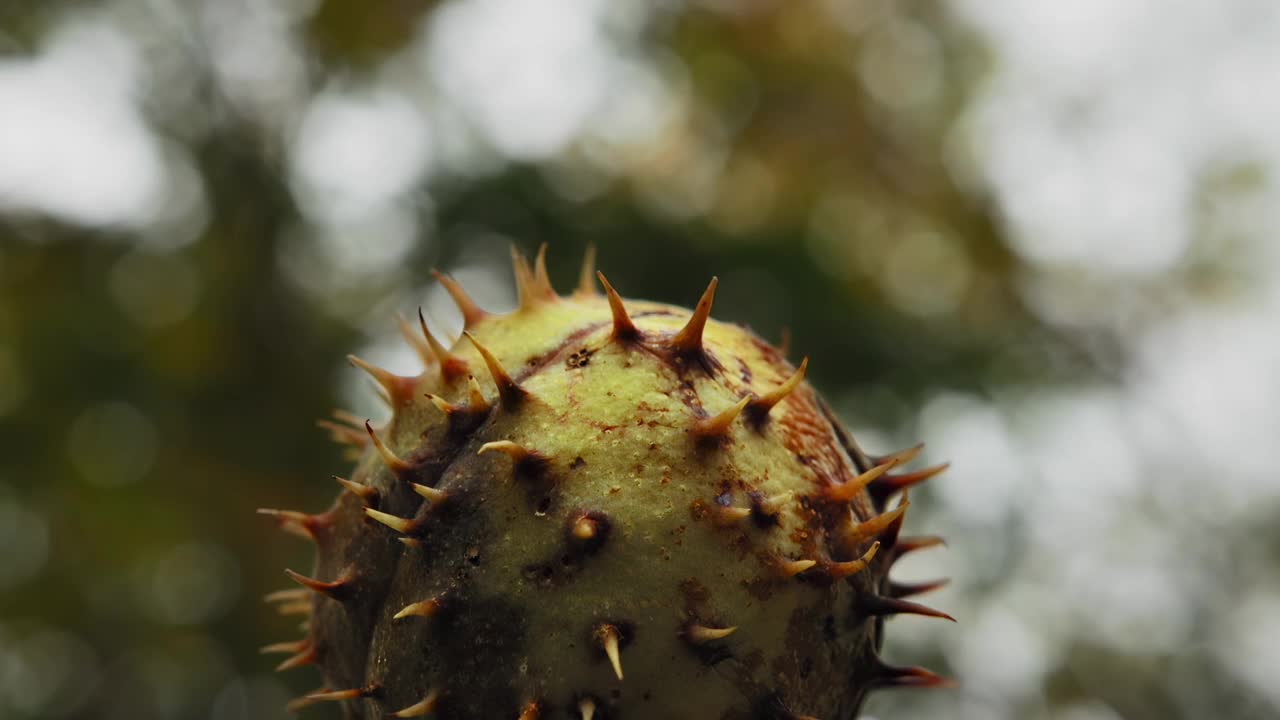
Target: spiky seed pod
{"type": "Point", "coordinates": [597, 508]}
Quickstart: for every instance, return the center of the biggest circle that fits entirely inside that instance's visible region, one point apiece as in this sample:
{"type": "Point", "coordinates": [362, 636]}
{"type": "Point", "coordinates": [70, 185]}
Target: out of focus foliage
{"type": "Point", "coordinates": [1038, 235]}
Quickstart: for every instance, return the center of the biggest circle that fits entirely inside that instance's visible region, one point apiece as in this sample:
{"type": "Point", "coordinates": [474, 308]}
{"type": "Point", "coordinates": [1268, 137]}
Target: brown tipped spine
{"type": "Point", "coordinates": [587, 275]}
{"type": "Point", "coordinates": [533, 287]}
{"type": "Point", "coordinates": [875, 528]}
{"type": "Point", "coordinates": [307, 527]}
{"type": "Point", "coordinates": [523, 459]}
{"type": "Point", "coordinates": [420, 347]}
{"type": "Point", "coordinates": [689, 340]}
{"type": "Point", "coordinates": [624, 330]}
{"type": "Point", "coordinates": [852, 567]}
{"type": "Point", "coordinates": [541, 279]}
{"type": "Point", "coordinates": [341, 695]}
{"type": "Point", "coordinates": [904, 590]}
{"type": "Point", "coordinates": [398, 389]}
{"type": "Point", "coordinates": [404, 526]}
{"type": "Point", "coordinates": [888, 676]}
{"type": "Point", "coordinates": [610, 639]}
{"type": "Point", "coordinates": [463, 418]}
{"type": "Point", "coordinates": [847, 491]}
{"type": "Point", "coordinates": [339, 589]}
{"type": "Point", "coordinates": [471, 313]}
{"type": "Point", "coordinates": [425, 706]}
{"type": "Point", "coordinates": [902, 457]}
{"type": "Point", "coordinates": [343, 434]}
{"type": "Point", "coordinates": [916, 542]}
{"type": "Point", "coordinates": [884, 488]}
{"type": "Point", "coordinates": [436, 496]}
{"type": "Point", "coordinates": [718, 425]}
{"type": "Point", "coordinates": [758, 410]}
{"type": "Point", "coordinates": [510, 394]}
{"type": "Point", "coordinates": [292, 647]}
{"type": "Point", "coordinates": [451, 366]}
{"type": "Point", "coordinates": [364, 492]}
{"type": "Point", "coordinates": [878, 605]}
{"type": "Point", "coordinates": [390, 459]}
{"type": "Point", "coordinates": [306, 655]}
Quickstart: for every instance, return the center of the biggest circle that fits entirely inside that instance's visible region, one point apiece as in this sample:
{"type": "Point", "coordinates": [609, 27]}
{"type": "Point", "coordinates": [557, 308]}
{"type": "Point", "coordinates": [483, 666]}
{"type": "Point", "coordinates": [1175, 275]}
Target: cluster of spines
{"type": "Point", "coordinates": [590, 529]}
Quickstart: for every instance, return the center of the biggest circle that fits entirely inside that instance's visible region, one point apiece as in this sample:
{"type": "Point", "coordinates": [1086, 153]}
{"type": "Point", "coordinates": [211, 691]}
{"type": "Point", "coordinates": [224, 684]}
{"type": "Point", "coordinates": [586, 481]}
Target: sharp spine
{"type": "Point", "coordinates": [289, 595]}
{"type": "Point", "coordinates": [444, 406]}
{"type": "Point", "coordinates": [761, 406]}
{"type": "Point", "coordinates": [728, 515]}
{"type": "Point", "coordinates": [902, 457]}
{"type": "Point", "coordinates": [475, 399]}
{"type": "Point", "coordinates": [292, 647]}
{"type": "Point", "coordinates": [718, 426]}
{"type": "Point", "coordinates": [784, 343]}
{"type": "Point", "coordinates": [533, 287]}
{"type": "Point", "coordinates": [298, 523]}
{"type": "Point", "coordinates": [461, 417]}
{"type": "Point", "coordinates": [586, 708]}
{"type": "Point", "coordinates": [306, 656]}
{"type": "Point", "coordinates": [791, 568]}
{"type": "Point", "coordinates": [586, 277]}
{"type": "Point", "coordinates": [338, 589]}
{"type": "Point", "coordinates": [364, 492]}
{"type": "Point", "coordinates": [541, 279]}
{"type": "Point", "coordinates": [399, 389]}
{"type": "Point", "coordinates": [340, 695]}
{"type": "Point", "coordinates": [852, 567]}
{"type": "Point", "coordinates": [471, 313]}
{"type": "Point", "coordinates": [509, 393]}
{"type": "Point", "coordinates": [425, 706]}
{"type": "Point", "coordinates": [404, 526]}
{"type": "Point", "coordinates": [878, 605]}
{"type": "Point", "coordinates": [421, 348]}
{"type": "Point", "coordinates": [297, 704]}
{"type": "Point", "coordinates": [623, 328]}
{"type": "Point", "coordinates": [390, 459]}
{"type": "Point", "coordinates": [451, 366]}
{"type": "Point", "coordinates": [700, 634]}
{"type": "Point", "coordinates": [436, 496]}
{"type": "Point", "coordinates": [914, 543]}
{"type": "Point", "coordinates": [918, 677]}
{"type": "Point", "coordinates": [875, 527]}
{"type": "Point", "coordinates": [608, 637]}
{"type": "Point", "coordinates": [889, 536]}
{"type": "Point", "coordinates": [847, 491]}
{"type": "Point", "coordinates": [422, 608]}
{"type": "Point", "coordinates": [689, 339]}
{"type": "Point", "coordinates": [342, 434]}
{"type": "Point", "coordinates": [889, 484]}
{"type": "Point", "coordinates": [773, 504]}
{"type": "Point", "coordinates": [520, 455]}
{"type": "Point", "coordinates": [903, 590]}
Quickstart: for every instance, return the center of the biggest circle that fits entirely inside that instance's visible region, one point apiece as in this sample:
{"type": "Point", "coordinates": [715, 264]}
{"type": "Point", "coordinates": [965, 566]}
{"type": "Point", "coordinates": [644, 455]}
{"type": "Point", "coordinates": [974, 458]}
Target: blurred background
{"type": "Point", "coordinates": [1039, 235]}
